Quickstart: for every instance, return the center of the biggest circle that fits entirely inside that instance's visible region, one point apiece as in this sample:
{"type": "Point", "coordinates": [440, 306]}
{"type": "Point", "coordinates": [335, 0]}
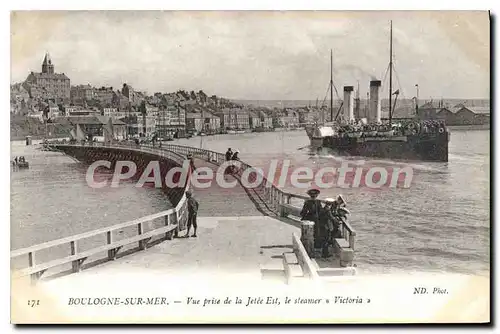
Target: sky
{"type": "Point", "coordinates": [259, 55]}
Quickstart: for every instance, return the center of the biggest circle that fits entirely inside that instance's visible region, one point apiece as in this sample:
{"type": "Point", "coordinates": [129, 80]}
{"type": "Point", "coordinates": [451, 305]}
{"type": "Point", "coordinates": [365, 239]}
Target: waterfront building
{"type": "Point", "coordinates": [428, 111]}
{"type": "Point", "coordinates": [194, 122]}
{"type": "Point", "coordinates": [310, 115]}
{"type": "Point", "coordinates": [136, 125]}
{"type": "Point", "coordinates": [288, 118]}
{"type": "Point", "coordinates": [202, 120]}
{"type": "Point", "coordinates": [234, 118]}
{"type": "Point", "coordinates": [255, 120]}
{"type": "Point", "coordinates": [94, 125]}
{"type": "Point", "coordinates": [404, 111]}
{"type": "Point", "coordinates": [266, 120]}
{"type": "Point", "coordinates": [171, 119]}
{"type": "Point", "coordinates": [48, 84]}
{"type": "Point", "coordinates": [459, 114]}
{"type": "Point", "coordinates": [212, 123]}
{"type": "Point", "coordinates": [467, 116]}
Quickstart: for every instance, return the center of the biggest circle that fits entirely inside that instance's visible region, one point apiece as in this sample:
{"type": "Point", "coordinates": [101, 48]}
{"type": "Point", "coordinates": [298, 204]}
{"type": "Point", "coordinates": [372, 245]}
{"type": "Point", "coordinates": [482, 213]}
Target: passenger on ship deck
{"type": "Point", "coordinates": [311, 212]}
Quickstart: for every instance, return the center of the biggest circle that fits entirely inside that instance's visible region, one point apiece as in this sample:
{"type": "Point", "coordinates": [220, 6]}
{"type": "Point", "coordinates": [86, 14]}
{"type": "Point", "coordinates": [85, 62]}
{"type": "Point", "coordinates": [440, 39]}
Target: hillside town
{"type": "Point", "coordinates": [47, 97]}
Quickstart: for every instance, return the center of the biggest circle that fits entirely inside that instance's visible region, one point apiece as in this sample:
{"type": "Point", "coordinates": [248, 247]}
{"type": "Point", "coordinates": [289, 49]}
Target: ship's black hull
{"type": "Point", "coordinates": [423, 147]}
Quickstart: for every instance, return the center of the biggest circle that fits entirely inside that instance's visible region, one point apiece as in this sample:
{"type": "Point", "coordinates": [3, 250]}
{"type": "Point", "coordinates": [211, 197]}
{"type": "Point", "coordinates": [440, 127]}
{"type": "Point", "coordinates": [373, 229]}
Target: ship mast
{"type": "Point", "coordinates": [357, 103]}
{"type": "Point", "coordinates": [390, 79]}
{"type": "Point", "coordinates": [331, 85]}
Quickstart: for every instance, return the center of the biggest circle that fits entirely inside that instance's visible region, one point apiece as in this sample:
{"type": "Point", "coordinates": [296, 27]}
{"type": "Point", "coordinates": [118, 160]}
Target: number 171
{"type": "Point", "coordinates": [34, 302]}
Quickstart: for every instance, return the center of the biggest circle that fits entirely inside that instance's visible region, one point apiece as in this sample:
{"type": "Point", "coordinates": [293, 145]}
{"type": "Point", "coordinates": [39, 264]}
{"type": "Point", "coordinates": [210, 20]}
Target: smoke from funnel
{"type": "Point", "coordinates": [359, 70]}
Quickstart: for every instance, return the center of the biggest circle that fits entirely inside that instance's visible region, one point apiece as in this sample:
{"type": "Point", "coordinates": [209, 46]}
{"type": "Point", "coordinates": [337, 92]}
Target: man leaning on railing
{"type": "Point", "coordinates": [311, 211]}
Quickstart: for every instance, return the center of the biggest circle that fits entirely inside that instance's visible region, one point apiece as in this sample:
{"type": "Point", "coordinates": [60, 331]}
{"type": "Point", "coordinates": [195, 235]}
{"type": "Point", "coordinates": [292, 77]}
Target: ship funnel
{"type": "Point", "coordinates": [348, 112]}
{"type": "Point", "coordinates": [374, 111]}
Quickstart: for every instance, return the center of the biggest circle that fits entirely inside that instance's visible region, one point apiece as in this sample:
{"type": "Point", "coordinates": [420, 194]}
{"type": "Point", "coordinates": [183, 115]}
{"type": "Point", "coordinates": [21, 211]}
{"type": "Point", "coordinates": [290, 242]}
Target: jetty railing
{"type": "Point", "coordinates": [281, 202]}
{"type": "Point", "coordinates": [175, 220]}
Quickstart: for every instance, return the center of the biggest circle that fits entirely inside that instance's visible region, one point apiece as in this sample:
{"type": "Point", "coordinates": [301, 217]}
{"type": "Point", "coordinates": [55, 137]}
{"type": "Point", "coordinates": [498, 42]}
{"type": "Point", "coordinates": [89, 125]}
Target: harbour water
{"type": "Point", "coordinates": [52, 200]}
{"type": "Point", "coordinates": [440, 223]}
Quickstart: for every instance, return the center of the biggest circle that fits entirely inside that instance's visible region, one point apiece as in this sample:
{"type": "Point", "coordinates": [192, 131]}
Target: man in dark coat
{"type": "Point", "coordinates": [229, 156]}
{"type": "Point", "coordinates": [311, 212]}
{"type": "Point", "coordinates": [192, 205]}
{"type": "Point", "coordinates": [329, 225]}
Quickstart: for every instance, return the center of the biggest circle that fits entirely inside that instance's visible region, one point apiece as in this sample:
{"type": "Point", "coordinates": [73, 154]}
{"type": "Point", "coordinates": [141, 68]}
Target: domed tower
{"type": "Point", "coordinates": [47, 66]}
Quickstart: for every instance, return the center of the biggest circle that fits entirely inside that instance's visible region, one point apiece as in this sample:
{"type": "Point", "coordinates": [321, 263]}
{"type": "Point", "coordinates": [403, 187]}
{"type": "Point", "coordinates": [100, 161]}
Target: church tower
{"type": "Point", "coordinates": [47, 66]}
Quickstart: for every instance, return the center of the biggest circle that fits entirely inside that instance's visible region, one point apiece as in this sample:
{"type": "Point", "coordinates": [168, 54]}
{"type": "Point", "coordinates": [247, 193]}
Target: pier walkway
{"type": "Point", "coordinates": [216, 201]}
{"type": "Point", "coordinates": [250, 247]}
{"type": "Point", "coordinates": [241, 231]}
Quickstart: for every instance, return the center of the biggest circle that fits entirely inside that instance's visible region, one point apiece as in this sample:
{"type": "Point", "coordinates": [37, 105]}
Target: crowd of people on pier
{"type": "Point", "coordinates": [400, 128]}
{"type": "Point", "coordinates": [327, 219]}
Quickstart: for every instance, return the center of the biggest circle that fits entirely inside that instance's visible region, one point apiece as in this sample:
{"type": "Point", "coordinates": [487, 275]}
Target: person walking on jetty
{"type": "Point", "coordinates": [191, 162]}
{"type": "Point", "coordinates": [229, 156]}
{"type": "Point", "coordinates": [311, 212]}
{"type": "Point", "coordinates": [192, 205]}
{"type": "Point", "coordinates": [235, 157]}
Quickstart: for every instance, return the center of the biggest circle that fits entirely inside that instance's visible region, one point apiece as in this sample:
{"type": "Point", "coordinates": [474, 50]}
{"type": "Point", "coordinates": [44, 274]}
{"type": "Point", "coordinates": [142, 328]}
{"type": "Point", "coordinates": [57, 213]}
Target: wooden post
{"type": "Point", "coordinates": [167, 222]}
{"type": "Point", "coordinates": [31, 259]}
{"type": "Point", "coordinates": [74, 264]}
{"type": "Point", "coordinates": [177, 229]}
{"type": "Point", "coordinates": [109, 239]}
{"type": "Point", "coordinates": [307, 237]}
{"type": "Point", "coordinates": [142, 244]}
{"type": "Point", "coordinates": [351, 241]}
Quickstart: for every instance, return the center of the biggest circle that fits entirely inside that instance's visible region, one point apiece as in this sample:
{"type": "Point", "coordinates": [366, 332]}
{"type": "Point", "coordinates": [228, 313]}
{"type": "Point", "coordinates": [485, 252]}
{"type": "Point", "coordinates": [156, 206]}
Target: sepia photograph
{"type": "Point", "coordinates": [250, 167]}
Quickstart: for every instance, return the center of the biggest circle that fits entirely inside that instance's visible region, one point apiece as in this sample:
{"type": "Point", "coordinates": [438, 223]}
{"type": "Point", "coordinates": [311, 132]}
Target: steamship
{"type": "Point", "coordinates": [369, 137]}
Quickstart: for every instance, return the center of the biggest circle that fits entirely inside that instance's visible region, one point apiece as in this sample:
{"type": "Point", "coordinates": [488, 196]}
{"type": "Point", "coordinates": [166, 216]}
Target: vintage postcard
{"type": "Point", "coordinates": [250, 167]}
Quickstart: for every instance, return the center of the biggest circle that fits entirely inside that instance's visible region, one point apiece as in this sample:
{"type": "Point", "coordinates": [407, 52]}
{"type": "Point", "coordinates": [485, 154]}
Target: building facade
{"type": "Point", "coordinates": [104, 95]}
{"type": "Point", "coordinates": [266, 120]}
{"type": "Point", "coordinates": [48, 84]}
{"type": "Point", "coordinates": [234, 118]}
{"type": "Point", "coordinates": [255, 120]}
{"type": "Point", "coordinates": [81, 94]}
